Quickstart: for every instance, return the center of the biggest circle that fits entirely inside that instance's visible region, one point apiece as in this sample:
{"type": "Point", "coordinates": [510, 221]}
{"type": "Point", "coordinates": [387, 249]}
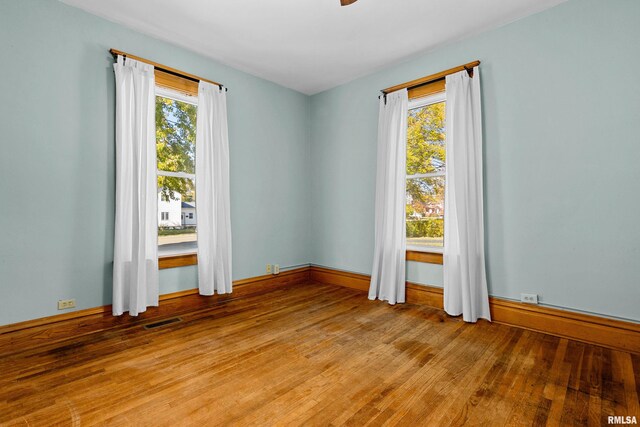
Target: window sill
{"type": "Point", "coordinates": [182, 260]}
{"type": "Point", "coordinates": [431, 257]}
{"type": "Point", "coordinates": [425, 249]}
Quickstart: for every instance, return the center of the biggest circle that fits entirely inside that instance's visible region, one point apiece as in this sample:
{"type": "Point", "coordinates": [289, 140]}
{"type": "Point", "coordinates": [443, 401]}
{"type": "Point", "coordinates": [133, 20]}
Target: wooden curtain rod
{"type": "Point", "coordinates": [432, 78]}
{"type": "Point", "coordinates": [165, 69]}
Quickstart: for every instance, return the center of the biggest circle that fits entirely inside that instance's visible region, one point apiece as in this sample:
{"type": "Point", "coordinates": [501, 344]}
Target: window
{"type": "Point", "coordinates": [175, 149]}
{"type": "Point", "coordinates": [426, 165]}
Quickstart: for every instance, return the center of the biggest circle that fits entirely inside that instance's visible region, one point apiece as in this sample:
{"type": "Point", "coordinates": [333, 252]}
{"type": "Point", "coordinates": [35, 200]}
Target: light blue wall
{"type": "Point", "coordinates": [57, 160]}
{"type": "Point", "coordinates": [562, 158]}
{"type": "Point", "coordinates": [561, 108]}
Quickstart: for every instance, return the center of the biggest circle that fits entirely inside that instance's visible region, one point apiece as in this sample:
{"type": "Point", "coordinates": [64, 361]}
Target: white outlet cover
{"type": "Point", "coordinates": [64, 304]}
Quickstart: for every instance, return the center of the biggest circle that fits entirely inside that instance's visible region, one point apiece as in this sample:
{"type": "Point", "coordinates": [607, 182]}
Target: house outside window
{"type": "Point", "coordinates": [425, 180]}
{"type": "Point", "coordinates": [175, 150]}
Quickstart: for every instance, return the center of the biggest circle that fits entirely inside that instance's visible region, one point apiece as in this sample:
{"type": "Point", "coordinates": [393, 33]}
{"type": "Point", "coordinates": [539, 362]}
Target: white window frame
{"type": "Point", "coordinates": [176, 96]}
{"type": "Point", "coordinates": [419, 103]}
{"type": "Point", "coordinates": [193, 100]}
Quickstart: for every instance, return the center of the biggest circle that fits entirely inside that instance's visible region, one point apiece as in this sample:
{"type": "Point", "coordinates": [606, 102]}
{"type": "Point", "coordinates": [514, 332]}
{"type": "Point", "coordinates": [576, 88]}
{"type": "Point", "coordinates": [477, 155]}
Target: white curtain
{"type": "Point", "coordinates": [212, 191]}
{"type": "Point", "coordinates": [388, 276]}
{"type": "Point", "coordinates": [465, 283]}
{"type": "Point", "coordinates": [135, 257]}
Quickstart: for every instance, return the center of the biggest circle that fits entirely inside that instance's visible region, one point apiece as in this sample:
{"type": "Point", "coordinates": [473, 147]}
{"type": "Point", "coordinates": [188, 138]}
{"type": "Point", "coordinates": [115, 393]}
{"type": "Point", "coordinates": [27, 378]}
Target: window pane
{"type": "Point", "coordinates": [425, 139]}
{"type": "Point", "coordinates": [176, 216]}
{"type": "Point", "coordinates": [425, 211]}
{"type": "Point", "coordinates": [175, 135]}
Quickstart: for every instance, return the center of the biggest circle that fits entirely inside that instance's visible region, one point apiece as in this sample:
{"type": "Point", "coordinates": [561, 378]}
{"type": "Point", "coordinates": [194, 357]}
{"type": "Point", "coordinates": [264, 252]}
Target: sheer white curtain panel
{"type": "Point", "coordinates": [388, 276]}
{"type": "Point", "coordinates": [135, 258]}
{"type": "Point", "coordinates": [465, 282]}
{"type": "Point", "coordinates": [212, 191]}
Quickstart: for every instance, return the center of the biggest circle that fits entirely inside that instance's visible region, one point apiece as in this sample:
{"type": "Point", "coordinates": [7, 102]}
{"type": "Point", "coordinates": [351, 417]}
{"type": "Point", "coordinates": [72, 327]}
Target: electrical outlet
{"type": "Point", "coordinates": [529, 298]}
{"type": "Point", "coordinates": [63, 304]}
{"type": "Point", "coordinates": [268, 268]}
{"type": "Point", "coordinates": [276, 269]}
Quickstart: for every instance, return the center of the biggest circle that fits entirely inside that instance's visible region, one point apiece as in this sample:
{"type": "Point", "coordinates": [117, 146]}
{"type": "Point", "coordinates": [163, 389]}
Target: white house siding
{"type": "Point", "coordinates": [188, 214]}
{"type": "Point", "coordinates": [187, 220]}
{"type": "Point", "coordinates": [173, 208]}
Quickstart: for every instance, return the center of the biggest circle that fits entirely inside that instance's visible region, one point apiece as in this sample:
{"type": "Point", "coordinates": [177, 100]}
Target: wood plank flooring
{"type": "Point", "coordinates": [317, 355]}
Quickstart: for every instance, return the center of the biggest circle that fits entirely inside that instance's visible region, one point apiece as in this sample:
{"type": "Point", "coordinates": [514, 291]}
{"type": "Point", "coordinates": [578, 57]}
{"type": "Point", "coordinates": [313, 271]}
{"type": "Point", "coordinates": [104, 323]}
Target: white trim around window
{"type": "Point", "coordinates": [419, 103]}
{"type": "Point", "coordinates": [177, 174]}
{"type": "Point", "coordinates": [428, 249]}
{"type": "Point", "coordinates": [427, 100]}
{"type": "Point", "coordinates": [175, 95]}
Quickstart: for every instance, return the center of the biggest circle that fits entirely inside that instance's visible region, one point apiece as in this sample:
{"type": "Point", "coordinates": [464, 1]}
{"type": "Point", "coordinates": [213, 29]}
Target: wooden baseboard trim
{"type": "Point", "coordinates": [425, 295]}
{"type": "Point", "coordinates": [81, 313]}
{"type": "Point", "coordinates": [33, 333]}
{"type": "Point", "coordinates": [610, 333]}
{"type": "Point", "coordinates": [347, 279]}
{"type": "Point", "coordinates": [597, 330]}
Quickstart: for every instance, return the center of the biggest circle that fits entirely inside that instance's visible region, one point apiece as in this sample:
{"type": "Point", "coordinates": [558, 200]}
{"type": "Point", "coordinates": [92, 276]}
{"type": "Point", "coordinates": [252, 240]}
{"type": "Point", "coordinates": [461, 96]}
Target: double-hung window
{"type": "Point", "coordinates": [425, 183]}
{"type": "Point", "coordinates": [175, 150]}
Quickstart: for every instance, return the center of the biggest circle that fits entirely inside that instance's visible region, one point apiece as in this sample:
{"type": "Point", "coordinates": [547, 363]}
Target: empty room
{"type": "Point", "coordinates": [320, 212]}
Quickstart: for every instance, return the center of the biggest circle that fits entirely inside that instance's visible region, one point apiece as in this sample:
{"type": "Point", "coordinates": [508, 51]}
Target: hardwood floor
{"type": "Point", "coordinates": [317, 355]}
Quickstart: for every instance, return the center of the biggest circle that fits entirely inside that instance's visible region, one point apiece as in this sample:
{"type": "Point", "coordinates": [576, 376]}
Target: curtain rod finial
{"type": "Point", "coordinates": [469, 70]}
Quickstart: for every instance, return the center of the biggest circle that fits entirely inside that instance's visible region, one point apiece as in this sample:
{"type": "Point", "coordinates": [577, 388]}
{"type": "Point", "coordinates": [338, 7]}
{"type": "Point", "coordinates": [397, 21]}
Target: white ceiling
{"type": "Point", "coordinates": [311, 45]}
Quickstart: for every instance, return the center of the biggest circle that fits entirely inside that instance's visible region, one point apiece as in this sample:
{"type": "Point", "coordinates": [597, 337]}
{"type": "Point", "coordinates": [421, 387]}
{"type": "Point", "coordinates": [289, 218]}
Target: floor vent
{"type": "Point", "coordinates": [162, 323]}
